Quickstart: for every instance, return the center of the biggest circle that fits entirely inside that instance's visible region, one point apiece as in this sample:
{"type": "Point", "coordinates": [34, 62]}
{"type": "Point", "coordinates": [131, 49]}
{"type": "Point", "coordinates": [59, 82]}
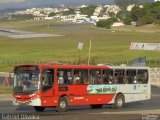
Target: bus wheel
{"type": "Point", "coordinates": [96, 106]}
{"type": "Point", "coordinates": [119, 101]}
{"type": "Point", "coordinates": [39, 108]}
{"type": "Point", "coordinates": [62, 105]}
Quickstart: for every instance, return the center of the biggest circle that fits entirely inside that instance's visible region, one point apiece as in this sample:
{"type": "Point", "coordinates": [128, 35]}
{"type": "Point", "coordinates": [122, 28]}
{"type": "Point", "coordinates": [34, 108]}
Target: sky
{"type": "Point", "coordinates": [42, 3]}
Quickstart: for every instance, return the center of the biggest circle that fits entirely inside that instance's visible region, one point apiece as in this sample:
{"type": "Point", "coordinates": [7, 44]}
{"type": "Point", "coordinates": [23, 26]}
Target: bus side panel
{"type": "Point", "coordinates": [92, 94]}
{"type": "Point", "coordinates": [76, 93]}
{"type": "Point", "coordinates": [49, 98]}
{"type": "Point", "coordinates": [143, 91]}
{"type": "Point", "coordinates": [79, 95]}
{"type": "Point", "coordinates": [134, 92]}
{"type": "Point", "coordinates": [91, 99]}
{"type": "Point", "coordinates": [71, 90]}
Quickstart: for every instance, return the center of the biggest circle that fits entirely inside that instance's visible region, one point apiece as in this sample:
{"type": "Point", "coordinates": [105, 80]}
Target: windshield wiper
{"type": "Point", "coordinates": [19, 92]}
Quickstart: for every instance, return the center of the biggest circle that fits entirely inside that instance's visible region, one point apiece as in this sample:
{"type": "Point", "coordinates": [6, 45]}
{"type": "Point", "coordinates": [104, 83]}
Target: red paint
{"type": "Point", "coordinates": [25, 98]}
{"type": "Point", "coordinates": [77, 94]}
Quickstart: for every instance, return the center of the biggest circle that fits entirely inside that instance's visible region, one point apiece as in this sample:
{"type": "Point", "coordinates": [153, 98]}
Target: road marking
{"type": "Point", "coordinates": [17, 34]}
{"type": "Point", "coordinates": [132, 112]}
{"type": "Point", "coordinates": [155, 95]}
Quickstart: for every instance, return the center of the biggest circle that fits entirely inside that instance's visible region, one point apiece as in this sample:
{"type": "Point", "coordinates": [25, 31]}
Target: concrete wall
{"type": "Point", "coordinates": [155, 76]}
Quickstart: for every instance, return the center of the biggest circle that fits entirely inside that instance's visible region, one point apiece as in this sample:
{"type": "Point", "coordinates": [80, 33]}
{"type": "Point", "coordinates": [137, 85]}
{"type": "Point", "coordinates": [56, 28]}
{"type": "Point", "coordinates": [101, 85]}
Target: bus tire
{"type": "Point", "coordinates": [119, 101]}
{"type": "Point", "coordinates": [62, 105]}
{"type": "Point", "coordinates": [39, 108]}
{"type": "Point", "coordinates": [96, 106]}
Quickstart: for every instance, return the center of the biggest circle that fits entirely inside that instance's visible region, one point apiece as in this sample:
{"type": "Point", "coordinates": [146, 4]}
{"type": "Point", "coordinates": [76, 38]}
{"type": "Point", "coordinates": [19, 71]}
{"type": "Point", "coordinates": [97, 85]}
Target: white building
{"type": "Point", "coordinates": [118, 24]}
{"type": "Point", "coordinates": [94, 18]}
{"type": "Point", "coordinates": [106, 6]}
{"type": "Point", "coordinates": [129, 8]}
{"type": "Point", "coordinates": [83, 6]}
{"type": "Point", "coordinates": [98, 10]}
{"type": "Point", "coordinates": [113, 9]}
{"type": "Point", "coordinates": [48, 18]}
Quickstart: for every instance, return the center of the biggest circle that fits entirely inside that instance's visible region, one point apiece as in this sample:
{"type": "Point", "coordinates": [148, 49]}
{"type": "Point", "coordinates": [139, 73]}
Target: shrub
{"type": "Point", "coordinates": [102, 23]}
{"type": "Point", "coordinates": [106, 23]}
{"type": "Point", "coordinates": [127, 21]}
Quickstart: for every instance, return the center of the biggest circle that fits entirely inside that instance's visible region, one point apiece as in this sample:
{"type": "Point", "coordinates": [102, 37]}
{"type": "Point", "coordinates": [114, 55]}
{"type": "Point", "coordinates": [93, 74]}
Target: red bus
{"type": "Point", "coordinates": [61, 86]}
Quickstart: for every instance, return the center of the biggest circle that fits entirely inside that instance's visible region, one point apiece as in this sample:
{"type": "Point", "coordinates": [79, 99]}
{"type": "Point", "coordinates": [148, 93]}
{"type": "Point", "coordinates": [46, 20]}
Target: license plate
{"type": "Point", "coordinates": [22, 104]}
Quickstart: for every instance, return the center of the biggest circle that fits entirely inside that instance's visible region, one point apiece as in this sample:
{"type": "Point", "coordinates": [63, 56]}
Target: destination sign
{"type": "Point", "coordinates": [26, 68]}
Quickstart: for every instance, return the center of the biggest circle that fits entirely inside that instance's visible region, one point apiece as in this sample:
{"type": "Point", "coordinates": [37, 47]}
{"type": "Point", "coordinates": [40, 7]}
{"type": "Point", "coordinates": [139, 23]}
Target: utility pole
{"type": "Point", "coordinates": [89, 53]}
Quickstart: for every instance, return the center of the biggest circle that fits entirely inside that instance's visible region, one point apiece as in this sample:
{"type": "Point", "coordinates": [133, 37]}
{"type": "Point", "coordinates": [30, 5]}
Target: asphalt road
{"type": "Point", "coordinates": [17, 34]}
{"type": "Point", "coordinates": [144, 110]}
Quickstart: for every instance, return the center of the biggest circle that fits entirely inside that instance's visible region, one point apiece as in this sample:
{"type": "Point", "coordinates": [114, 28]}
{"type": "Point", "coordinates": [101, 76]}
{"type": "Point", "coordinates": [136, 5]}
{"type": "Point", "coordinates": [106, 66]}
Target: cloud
{"type": "Point", "coordinates": [11, 1]}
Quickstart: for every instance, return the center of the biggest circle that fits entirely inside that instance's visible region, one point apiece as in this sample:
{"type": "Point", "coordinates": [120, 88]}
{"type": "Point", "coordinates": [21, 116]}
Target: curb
{"type": "Point", "coordinates": [5, 97]}
{"type": "Point", "coordinates": [155, 85]}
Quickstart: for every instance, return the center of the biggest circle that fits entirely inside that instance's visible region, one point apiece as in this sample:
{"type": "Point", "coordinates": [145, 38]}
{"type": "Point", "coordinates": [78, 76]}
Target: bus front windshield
{"type": "Point", "coordinates": [26, 82]}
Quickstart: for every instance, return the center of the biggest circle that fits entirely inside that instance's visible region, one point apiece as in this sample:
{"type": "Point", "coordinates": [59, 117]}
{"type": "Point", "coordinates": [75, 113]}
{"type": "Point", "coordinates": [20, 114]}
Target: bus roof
{"type": "Point", "coordinates": [83, 66]}
{"type": "Point", "coordinates": [128, 67]}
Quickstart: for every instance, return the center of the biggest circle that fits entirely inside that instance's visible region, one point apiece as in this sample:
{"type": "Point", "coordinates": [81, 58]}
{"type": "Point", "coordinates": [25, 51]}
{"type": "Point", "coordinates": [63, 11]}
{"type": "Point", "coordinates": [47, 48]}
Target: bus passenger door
{"type": "Point", "coordinates": [64, 81]}
{"type": "Point", "coordinates": [79, 85]}
{"type": "Point", "coordinates": [47, 87]}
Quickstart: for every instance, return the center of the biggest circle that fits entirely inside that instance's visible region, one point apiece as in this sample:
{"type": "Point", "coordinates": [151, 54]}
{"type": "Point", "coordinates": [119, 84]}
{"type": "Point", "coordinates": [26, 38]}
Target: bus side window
{"type": "Point", "coordinates": [60, 77]}
{"type": "Point", "coordinates": [107, 76]}
{"type": "Point", "coordinates": [142, 76]}
{"type": "Point", "coordinates": [65, 77]}
{"type": "Point", "coordinates": [96, 77]}
{"type": "Point", "coordinates": [119, 76]}
{"type": "Point", "coordinates": [131, 75]}
{"type": "Point", "coordinates": [76, 77]}
{"type": "Point", "coordinates": [85, 77]}
{"type": "Point", "coordinates": [69, 77]}
{"type": "Point", "coordinates": [81, 77]}
{"type": "Point", "coordinates": [91, 77]}
{"type": "Point", "coordinates": [47, 79]}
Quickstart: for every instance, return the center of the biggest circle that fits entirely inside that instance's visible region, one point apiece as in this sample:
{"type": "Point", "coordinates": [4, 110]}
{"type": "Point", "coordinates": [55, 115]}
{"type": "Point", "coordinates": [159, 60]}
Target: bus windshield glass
{"type": "Point", "coordinates": [26, 79]}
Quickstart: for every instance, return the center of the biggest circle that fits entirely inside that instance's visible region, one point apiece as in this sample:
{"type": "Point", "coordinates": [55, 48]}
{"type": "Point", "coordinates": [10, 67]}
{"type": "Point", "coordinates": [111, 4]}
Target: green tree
{"type": "Point", "coordinates": [127, 21]}
{"type": "Point", "coordinates": [112, 15]}
{"type": "Point", "coordinates": [137, 13]}
{"type": "Point", "coordinates": [52, 14]}
{"type": "Point", "coordinates": [121, 15]}
{"type": "Point", "coordinates": [124, 3]}
{"type": "Point", "coordinates": [106, 23]}
{"type": "Point", "coordinates": [155, 9]}
{"type": "Point", "coordinates": [103, 24]}
{"type": "Point", "coordinates": [150, 13]}
{"type": "Point", "coordinates": [88, 10]}
{"type": "Point", "coordinates": [23, 16]}
{"type": "Point", "coordinates": [71, 11]}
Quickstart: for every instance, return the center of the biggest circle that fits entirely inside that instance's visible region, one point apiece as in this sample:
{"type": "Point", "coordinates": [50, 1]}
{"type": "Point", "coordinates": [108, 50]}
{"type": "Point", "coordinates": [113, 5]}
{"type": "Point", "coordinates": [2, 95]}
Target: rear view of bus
{"type": "Point", "coordinates": [26, 85]}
